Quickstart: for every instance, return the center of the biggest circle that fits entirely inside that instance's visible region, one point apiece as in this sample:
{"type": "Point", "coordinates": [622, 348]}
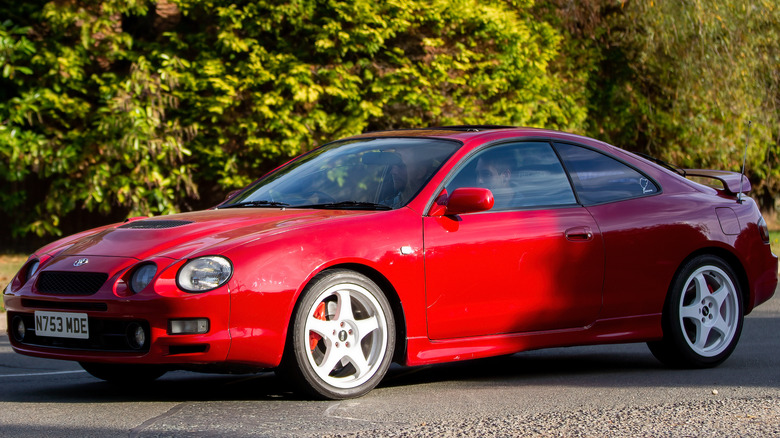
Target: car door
{"type": "Point", "coordinates": [644, 238]}
{"type": "Point", "coordinates": [534, 262]}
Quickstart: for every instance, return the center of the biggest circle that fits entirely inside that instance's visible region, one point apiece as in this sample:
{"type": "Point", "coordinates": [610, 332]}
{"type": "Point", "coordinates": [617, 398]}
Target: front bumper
{"type": "Point", "coordinates": [110, 331]}
{"type": "Point", "coordinates": [114, 315]}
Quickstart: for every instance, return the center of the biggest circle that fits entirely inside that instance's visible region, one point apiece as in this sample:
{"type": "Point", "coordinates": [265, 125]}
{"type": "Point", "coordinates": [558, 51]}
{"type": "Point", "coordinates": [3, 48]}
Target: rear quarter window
{"type": "Point", "coordinates": [599, 178]}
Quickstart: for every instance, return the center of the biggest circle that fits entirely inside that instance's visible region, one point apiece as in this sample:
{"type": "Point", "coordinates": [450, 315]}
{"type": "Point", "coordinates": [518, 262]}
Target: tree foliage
{"type": "Point", "coordinates": [137, 107]}
{"type": "Point", "coordinates": [682, 79]}
{"type": "Point", "coordinates": [717, 67]}
{"type": "Point", "coordinates": [85, 120]}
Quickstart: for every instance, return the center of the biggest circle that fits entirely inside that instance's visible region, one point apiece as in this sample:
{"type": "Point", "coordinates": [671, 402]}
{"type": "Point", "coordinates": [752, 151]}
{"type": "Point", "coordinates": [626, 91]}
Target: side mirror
{"type": "Point", "coordinates": [463, 200]}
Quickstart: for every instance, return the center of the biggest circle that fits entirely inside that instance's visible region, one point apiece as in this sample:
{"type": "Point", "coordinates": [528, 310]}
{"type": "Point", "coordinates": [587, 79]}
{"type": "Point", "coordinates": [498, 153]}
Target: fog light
{"type": "Point", "coordinates": [136, 336]}
{"type": "Point", "coordinates": [19, 329]}
{"type": "Point", "coordinates": [188, 326]}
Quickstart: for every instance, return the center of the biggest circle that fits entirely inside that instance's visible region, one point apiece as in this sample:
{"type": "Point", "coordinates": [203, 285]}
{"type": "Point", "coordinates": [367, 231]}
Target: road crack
{"type": "Point", "coordinates": [137, 431]}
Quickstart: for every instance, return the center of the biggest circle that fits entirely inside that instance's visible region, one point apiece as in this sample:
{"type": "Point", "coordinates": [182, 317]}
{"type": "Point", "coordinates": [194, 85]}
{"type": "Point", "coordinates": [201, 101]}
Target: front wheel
{"type": "Point", "coordinates": [342, 338]}
{"type": "Point", "coordinates": [703, 315]}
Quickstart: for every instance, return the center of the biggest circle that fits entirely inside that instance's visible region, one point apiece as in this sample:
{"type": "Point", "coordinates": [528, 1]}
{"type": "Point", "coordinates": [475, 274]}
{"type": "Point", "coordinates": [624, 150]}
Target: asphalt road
{"type": "Point", "coordinates": [585, 391]}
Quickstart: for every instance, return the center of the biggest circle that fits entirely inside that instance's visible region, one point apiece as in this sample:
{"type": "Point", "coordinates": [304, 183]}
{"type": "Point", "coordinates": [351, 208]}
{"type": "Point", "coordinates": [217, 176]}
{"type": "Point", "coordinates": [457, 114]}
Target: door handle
{"type": "Point", "coordinates": [579, 234]}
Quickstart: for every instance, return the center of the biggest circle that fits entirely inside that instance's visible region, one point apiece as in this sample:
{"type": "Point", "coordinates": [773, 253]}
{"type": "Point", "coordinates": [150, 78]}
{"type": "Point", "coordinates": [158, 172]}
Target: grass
{"type": "Point", "coordinates": [9, 266]}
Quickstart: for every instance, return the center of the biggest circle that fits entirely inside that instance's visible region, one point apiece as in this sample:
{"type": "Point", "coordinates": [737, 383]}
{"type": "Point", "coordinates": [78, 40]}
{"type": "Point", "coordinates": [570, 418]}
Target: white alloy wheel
{"type": "Point", "coordinates": [703, 316]}
{"type": "Point", "coordinates": [343, 336]}
{"type": "Point", "coordinates": [709, 311]}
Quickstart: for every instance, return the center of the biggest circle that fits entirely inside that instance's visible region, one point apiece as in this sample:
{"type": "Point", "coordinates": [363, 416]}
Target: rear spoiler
{"type": "Point", "coordinates": [733, 182]}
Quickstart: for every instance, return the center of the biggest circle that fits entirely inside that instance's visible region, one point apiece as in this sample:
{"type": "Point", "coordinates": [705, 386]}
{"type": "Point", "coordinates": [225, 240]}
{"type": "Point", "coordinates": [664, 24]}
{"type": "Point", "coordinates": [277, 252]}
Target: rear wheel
{"type": "Point", "coordinates": [123, 374]}
{"type": "Point", "coordinates": [342, 337]}
{"type": "Point", "coordinates": [703, 315]}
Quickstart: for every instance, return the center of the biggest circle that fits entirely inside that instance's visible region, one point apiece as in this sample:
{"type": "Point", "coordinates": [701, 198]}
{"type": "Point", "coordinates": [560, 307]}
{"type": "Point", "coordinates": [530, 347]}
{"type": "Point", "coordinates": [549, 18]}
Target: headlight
{"type": "Point", "coordinates": [32, 268]}
{"type": "Point", "coordinates": [204, 273]}
{"type": "Point", "coordinates": [142, 276]}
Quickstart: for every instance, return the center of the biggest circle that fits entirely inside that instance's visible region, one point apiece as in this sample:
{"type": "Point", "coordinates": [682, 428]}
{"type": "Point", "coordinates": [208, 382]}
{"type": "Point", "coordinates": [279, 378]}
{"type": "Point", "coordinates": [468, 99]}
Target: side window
{"type": "Point", "coordinates": [520, 175]}
{"type": "Point", "coordinates": [599, 178]}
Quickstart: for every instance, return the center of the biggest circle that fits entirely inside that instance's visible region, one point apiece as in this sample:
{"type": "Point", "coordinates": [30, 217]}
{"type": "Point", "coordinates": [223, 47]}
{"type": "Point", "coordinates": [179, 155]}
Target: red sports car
{"type": "Point", "coordinates": [420, 247]}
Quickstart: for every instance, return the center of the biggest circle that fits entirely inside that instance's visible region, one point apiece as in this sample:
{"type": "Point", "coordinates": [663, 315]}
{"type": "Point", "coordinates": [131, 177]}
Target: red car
{"type": "Point", "coordinates": [420, 247]}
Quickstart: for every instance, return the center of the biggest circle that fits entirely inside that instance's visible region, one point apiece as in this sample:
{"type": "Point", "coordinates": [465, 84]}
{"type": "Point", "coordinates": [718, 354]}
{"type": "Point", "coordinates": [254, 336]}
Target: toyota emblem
{"type": "Point", "coordinates": [80, 262]}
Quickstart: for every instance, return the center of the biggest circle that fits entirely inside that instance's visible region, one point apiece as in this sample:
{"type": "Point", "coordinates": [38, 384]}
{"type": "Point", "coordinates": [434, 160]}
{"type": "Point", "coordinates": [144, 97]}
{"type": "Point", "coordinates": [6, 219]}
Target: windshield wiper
{"type": "Point", "coordinates": [348, 205]}
{"type": "Point", "coordinates": [262, 203]}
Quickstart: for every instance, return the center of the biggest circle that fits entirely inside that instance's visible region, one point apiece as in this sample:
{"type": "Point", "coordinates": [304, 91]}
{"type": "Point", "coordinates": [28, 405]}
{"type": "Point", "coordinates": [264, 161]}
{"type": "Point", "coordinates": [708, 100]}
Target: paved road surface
{"type": "Point", "coordinates": [585, 391]}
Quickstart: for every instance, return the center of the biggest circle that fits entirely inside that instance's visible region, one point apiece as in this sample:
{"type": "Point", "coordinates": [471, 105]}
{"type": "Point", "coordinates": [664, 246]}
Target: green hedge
{"type": "Point", "coordinates": [143, 107]}
{"type": "Point", "coordinates": [117, 108]}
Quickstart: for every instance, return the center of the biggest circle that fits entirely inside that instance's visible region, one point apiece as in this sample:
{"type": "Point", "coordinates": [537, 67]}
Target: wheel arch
{"type": "Point", "coordinates": [675, 348]}
{"type": "Point", "coordinates": [387, 288]}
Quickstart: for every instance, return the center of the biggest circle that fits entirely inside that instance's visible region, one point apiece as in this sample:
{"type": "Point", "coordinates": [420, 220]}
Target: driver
{"type": "Point", "coordinates": [397, 173]}
{"type": "Point", "coordinates": [494, 172]}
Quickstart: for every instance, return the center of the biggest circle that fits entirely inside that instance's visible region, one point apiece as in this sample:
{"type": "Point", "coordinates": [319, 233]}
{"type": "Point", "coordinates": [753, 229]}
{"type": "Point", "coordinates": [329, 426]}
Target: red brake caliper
{"type": "Point", "coordinates": [320, 314]}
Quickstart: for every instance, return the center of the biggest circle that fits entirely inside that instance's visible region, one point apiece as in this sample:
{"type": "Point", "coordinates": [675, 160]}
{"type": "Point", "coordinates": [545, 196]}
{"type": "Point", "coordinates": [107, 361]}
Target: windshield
{"type": "Point", "coordinates": [381, 174]}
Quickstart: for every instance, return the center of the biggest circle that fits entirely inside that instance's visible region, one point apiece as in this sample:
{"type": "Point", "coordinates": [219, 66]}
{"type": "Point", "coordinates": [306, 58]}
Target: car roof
{"type": "Point", "coordinates": [464, 133]}
{"type": "Point", "coordinates": [482, 134]}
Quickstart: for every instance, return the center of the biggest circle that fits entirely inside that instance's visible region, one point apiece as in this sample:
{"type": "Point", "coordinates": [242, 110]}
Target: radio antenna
{"type": "Point", "coordinates": [744, 161]}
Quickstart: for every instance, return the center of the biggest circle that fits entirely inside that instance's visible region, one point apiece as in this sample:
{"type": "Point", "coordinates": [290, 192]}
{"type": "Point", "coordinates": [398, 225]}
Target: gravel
{"type": "Point", "coordinates": [711, 417]}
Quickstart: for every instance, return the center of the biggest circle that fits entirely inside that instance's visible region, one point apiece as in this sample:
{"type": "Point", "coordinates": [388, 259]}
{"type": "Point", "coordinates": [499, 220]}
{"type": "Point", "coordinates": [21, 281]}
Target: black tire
{"type": "Point", "coordinates": [124, 374]}
{"type": "Point", "coordinates": [703, 315]}
{"type": "Point", "coordinates": [335, 351]}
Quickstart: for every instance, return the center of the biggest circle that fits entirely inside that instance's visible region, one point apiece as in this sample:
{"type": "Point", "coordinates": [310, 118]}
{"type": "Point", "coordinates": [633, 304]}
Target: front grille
{"type": "Point", "coordinates": [104, 335]}
{"type": "Point", "coordinates": [70, 283]}
{"type": "Point", "coordinates": [154, 225]}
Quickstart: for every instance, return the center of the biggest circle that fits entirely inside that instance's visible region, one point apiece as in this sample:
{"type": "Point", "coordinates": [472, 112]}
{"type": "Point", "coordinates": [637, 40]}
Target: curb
{"type": "Point", "coordinates": [3, 323]}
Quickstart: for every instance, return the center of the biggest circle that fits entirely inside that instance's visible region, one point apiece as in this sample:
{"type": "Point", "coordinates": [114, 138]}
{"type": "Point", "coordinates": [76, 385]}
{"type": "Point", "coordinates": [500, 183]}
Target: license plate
{"type": "Point", "coordinates": [62, 325]}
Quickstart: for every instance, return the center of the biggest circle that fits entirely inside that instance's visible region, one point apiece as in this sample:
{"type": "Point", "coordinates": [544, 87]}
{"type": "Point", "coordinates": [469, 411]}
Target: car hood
{"type": "Point", "coordinates": [181, 235]}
